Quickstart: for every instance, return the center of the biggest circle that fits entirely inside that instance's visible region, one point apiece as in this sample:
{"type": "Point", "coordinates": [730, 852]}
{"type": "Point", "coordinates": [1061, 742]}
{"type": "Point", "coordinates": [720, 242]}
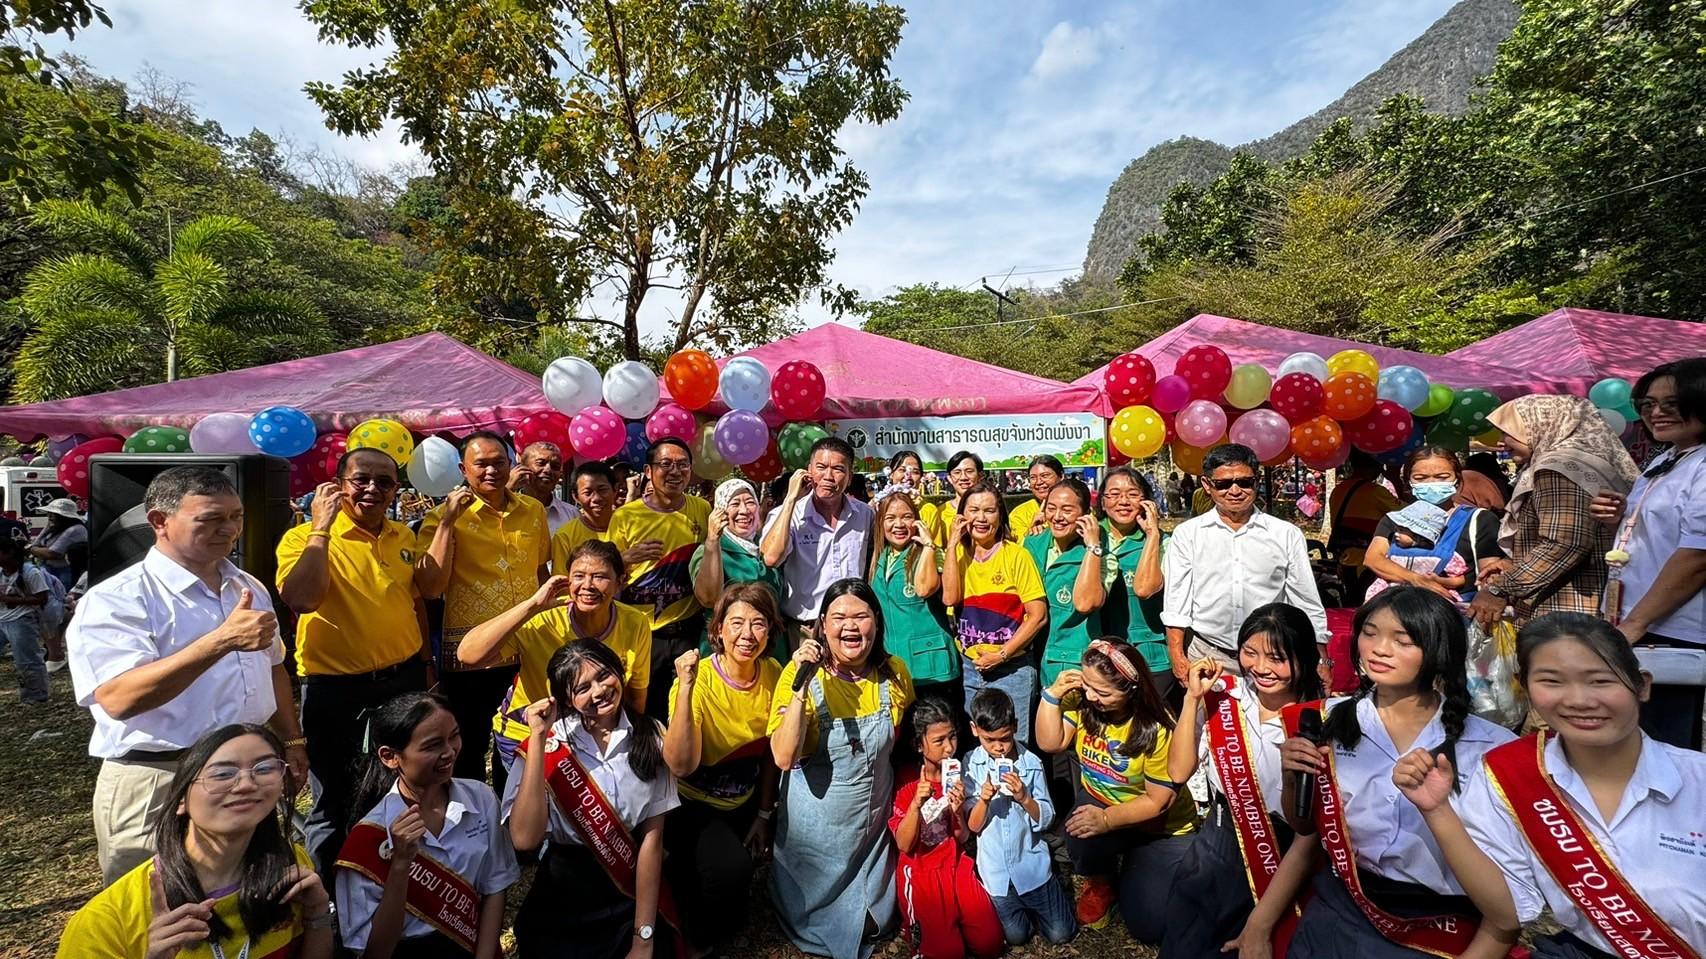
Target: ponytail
{"type": "Point", "coordinates": [391, 726]}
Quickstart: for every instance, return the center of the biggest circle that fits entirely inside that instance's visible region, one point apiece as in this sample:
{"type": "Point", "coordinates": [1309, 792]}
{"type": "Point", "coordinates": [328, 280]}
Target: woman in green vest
{"type": "Point", "coordinates": [1135, 543]}
{"type": "Point", "coordinates": [730, 553]}
{"type": "Point", "coordinates": [1069, 554]}
{"type": "Point", "coordinates": [908, 586]}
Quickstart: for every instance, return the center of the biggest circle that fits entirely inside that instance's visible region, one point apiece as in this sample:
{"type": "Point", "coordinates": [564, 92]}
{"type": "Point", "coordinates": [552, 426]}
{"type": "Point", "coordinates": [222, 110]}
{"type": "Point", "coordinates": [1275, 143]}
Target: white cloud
{"type": "Point", "coordinates": [1067, 49]}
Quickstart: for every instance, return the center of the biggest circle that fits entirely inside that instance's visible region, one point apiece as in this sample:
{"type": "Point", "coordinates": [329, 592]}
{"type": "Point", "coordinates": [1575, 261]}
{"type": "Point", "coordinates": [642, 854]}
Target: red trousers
{"type": "Point", "coordinates": [945, 912]}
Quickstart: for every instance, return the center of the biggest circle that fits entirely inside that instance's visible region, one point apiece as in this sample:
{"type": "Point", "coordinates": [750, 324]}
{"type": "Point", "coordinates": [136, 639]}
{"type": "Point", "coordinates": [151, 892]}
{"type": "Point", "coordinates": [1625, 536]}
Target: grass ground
{"type": "Point", "coordinates": [47, 846]}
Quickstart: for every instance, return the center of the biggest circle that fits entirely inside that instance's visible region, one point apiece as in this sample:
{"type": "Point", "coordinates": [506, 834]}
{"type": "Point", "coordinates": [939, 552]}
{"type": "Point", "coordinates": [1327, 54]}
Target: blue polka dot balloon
{"type": "Point", "coordinates": [634, 450]}
{"type": "Point", "coordinates": [282, 431]}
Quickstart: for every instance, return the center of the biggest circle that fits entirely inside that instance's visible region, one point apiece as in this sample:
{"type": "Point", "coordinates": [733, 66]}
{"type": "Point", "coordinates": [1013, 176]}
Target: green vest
{"type": "Point", "coordinates": [914, 629]}
{"type": "Point", "coordinates": [739, 566]}
{"type": "Point", "coordinates": [1124, 614]}
{"type": "Point", "coordinates": [1069, 631]}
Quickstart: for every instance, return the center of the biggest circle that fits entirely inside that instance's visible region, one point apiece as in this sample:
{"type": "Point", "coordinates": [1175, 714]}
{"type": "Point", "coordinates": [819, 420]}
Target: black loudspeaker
{"type": "Point", "coordinates": [119, 534]}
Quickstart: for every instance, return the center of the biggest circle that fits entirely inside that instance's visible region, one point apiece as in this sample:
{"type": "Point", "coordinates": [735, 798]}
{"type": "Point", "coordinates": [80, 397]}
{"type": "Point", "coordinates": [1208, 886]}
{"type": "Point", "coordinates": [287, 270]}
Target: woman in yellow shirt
{"type": "Point", "coordinates": [1045, 472]}
{"type": "Point", "coordinates": [226, 879]}
{"type": "Point", "coordinates": [718, 747]}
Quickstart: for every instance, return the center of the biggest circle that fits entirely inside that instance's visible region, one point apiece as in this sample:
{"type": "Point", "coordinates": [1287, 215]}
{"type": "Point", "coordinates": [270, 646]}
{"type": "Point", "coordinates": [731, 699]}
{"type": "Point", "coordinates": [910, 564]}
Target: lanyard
{"type": "Point", "coordinates": [219, 951]}
{"type": "Point", "coordinates": [1652, 484]}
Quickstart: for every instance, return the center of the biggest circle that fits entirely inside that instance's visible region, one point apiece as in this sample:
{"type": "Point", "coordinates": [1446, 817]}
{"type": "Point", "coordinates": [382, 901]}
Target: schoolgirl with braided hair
{"type": "Point", "coordinates": [1386, 867]}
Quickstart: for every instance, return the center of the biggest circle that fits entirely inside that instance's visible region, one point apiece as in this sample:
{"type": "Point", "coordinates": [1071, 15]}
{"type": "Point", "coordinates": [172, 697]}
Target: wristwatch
{"type": "Point", "coordinates": [644, 933]}
{"type": "Point", "coordinates": [1496, 590]}
{"type": "Point", "coordinates": [1095, 550]}
{"type": "Point", "coordinates": [326, 920]}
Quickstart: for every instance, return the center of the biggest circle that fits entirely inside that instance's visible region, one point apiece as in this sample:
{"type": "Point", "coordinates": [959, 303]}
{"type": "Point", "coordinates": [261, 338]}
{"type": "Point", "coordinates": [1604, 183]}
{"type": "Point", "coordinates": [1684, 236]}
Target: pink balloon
{"type": "Point", "coordinates": [1129, 380]}
{"type": "Point", "coordinates": [73, 472]}
{"type": "Point", "coordinates": [1201, 423]}
{"type": "Point", "coordinates": [1383, 429]}
{"type": "Point", "coordinates": [672, 419]}
{"type": "Point", "coordinates": [797, 391]}
{"type": "Point", "coordinates": [598, 433]}
{"type": "Point", "coordinates": [1264, 431]}
{"type": "Point", "coordinates": [1171, 394]}
{"type": "Point", "coordinates": [1207, 369]}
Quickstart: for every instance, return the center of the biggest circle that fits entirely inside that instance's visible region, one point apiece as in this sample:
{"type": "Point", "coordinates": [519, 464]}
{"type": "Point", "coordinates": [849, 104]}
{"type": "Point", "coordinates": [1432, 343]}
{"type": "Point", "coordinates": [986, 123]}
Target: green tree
{"type": "Point", "coordinates": [128, 314]}
{"type": "Point", "coordinates": [610, 148]}
{"type": "Point", "coordinates": [1029, 335]}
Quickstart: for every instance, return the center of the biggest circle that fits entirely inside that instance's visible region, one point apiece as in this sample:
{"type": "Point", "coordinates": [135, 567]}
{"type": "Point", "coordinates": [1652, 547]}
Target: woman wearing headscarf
{"type": "Point", "coordinates": [731, 553]}
{"type": "Point", "coordinates": [1557, 548]}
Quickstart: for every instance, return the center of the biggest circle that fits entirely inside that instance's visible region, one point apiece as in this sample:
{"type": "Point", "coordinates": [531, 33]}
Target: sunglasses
{"type": "Point", "coordinates": [1242, 482]}
{"type": "Point", "coordinates": [1645, 407]}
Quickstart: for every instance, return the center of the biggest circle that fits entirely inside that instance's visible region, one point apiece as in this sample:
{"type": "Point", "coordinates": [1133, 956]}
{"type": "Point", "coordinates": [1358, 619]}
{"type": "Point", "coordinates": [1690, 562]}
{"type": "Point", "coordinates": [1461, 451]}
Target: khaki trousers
{"type": "Point", "coordinates": [129, 797]}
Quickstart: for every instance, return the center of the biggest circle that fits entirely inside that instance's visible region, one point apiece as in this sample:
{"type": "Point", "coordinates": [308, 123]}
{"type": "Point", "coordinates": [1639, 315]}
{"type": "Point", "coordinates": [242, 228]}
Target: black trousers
{"type": "Point", "coordinates": [1211, 899]}
{"type": "Point", "coordinates": [710, 869]}
{"type": "Point", "coordinates": [574, 911]}
{"type": "Point", "coordinates": [668, 643]}
{"type": "Point", "coordinates": [1142, 865]}
{"type": "Point", "coordinates": [1671, 714]}
{"type": "Point", "coordinates": [331, 722]}
{"type": "Point", "coordinates": [475, 696]}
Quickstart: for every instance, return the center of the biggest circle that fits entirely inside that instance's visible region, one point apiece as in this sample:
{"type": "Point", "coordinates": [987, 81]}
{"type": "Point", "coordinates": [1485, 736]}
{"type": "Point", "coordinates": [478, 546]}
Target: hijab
{"type": "Point", "coordinates": [726, 493]}
{"type": "Point", "coordinates": [1565, 434]}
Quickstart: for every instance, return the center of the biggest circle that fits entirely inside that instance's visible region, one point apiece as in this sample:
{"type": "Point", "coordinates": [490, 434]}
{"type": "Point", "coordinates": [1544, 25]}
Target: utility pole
{"type": "Point", "coordinates": [1000, 298]}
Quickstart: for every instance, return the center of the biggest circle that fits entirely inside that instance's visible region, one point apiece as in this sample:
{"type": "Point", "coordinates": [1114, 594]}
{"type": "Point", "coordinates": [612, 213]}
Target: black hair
{"type": "Point", "coordinates": [675, 441]}
{"type": "Point", "coordinates": [777, 489]}
{"type": "Point", "coordinates": [1596, 634]}
{"type": "Point", "coordinates": [12, 548]}
{"type": "Point", "coordinates": [1149, 712]}
{"type": "Point", "coordinates": [1129, 472]}
{"type": "Point", "coordinates": [1292, 636]}
{"type": "Point", "coordinates": [596, 468]}
{"type": "Point", "coordinates": [1436, 627]}
{"type": "Point", "coordinates": [1229, 454]}
{"type": "Point", "coordinates": [928, 712]}
{"type": "Point", "coordinates": [833, 444]}
{"type": "Point", "coordinates": [1433, 452]}
{"type": "Point", "coordinates": [600, 550]}
{"type": "Point", "coordinates": [392, 726]}
{"type": "Point", "coordinates": [1690, 376]}
{"type": "Point", "coordinates": [476, 436]}
{"type": "Point", "coordinates": [166, 491]}
{"type": "Point", "coordinates": [1048, 461]}
{"type": "Point", "coordinates": [350, 455]}
{"type": "Point", "coordinates": [881, 547]}
{"type": "Point", "coordinates": [858, 488]}
{"type": "Point", "coordinates": [267, 858]}
{"type": "Point", "coordinates": [858, 589]}
{"type": "Point", "coordinates": [900, 458]}
{"type": "Point", "coordinates": [1002, 529]}
{"type": "Point", "coordinates": [1078, 489]}
{"type": "Point", "coordinates": [992, 709]}
{"type": "Point", "coordinates": [1361, 459]}
{"type": "Point", "coordinates": [961, 457]}
{"type": "Point", "coordinates": [645, 750]}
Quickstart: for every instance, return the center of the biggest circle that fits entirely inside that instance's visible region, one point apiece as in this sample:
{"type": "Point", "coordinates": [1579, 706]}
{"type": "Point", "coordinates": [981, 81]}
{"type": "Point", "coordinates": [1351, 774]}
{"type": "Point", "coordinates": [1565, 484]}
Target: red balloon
{"type": "Point", "coordinates": [798, 389]}
{"type": "Point", "coordinates": [545, 426]}
{"type": "Point", "coordinates": [1330, 461]}
{"type": "Point", "coordinates": [1297, 397]}
{"type": "Point", "coordinates": [321, 460]}
{"type": "Point", "coordinates": [1167, 421]}
{"type": "Point", "coordinates": [1129, 379]}
{"type": "Point", "coordinates": [1207, 369]}
{"type": "Point", "coordinates": [767, 467]}
{"type": "Point", "coordinates": [73, 469]}
{"type": "Point", "coordinates": [1383, 429]}
{"type": "Point", "coordinates": [1115, 457]}
{"type": "Point", "coordinates": [1347, 396]}
{"type": "Point", "coordinates": [691, 378]}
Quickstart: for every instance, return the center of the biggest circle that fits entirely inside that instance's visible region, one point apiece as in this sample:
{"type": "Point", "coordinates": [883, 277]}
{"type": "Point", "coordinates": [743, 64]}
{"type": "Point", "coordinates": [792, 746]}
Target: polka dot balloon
{"type": "Point", "coordinates": [1207, 369]}
{"type": "Point", "coordinates": [158, 439]}
{"type": "Point", "coordinates": [598, 433]}
{"type": "Point", "coordinates": [767, 467]}
{"type": "Point", "coordinates": [1317, 438]}
{"type": "Point", "coordinates": [322, 458]}
{"type": "Point", "coordinates": [1129, 380]}
{"type": "Point", "coordinates": [1384, 428]}
{"type": "Point", "coordinates": [73, 472]}
{"type": "Point", "coordinates": [283, 431]}
{"type": "Point", "coordinates": [798, 390]}
{"type": "Point", "coordinates": [1346, 396]}
{"type": "Point", "coordinates": [1137, 432]}
{"type": "Point", "coordinates": [795, 441]}
{"type": "Point", "coordinates": [387, 436]}
{"type": "Point", "coordinates": [1297, 397]}
{"type": "Point", "coordinates": [1469, 410]}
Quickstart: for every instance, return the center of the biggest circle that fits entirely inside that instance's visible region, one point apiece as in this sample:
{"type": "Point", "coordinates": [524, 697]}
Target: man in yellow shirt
{"type": "Point", "coordinates": [487, 548]}
{"type": "Point", "coordinates": [349, 574]}
{"type": "Point", "coordinates": [594, 486]}
{"type": "Point", "coordinates": [657, 535]}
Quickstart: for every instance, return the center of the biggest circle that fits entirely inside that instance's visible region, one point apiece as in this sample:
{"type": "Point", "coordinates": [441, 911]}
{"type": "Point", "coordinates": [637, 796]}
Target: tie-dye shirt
{"type": "Point", "coordinates": [662, 589]}
{"type": "Point", "coordinates": [995, 591]}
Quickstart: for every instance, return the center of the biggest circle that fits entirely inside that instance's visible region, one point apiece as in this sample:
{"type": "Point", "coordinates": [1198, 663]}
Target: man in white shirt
{"type": "Point", "coordinates": [171, 649]}
{"type": "Point", "coordinates": [539, 473]}
{"type": "Point", "coordinates": [825, 536]}
{"type": "Point", "coordinates": [1222, 565]}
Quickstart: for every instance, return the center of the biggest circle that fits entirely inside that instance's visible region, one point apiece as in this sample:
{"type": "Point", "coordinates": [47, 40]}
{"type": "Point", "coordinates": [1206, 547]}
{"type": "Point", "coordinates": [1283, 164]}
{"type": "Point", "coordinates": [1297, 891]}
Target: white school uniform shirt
{"type": "Point", "coordinates": [146, 612]}
{"type": "Point", "coordinates": [1216, 576]}
{"type": "Point", "coordinates": [1672, 517]}
{"type": "Point", "coordinates": [1263, 738]}
{"type": "Point", "coordinates": [1386, 829]}
{"type": "Point", "coordinates": [473, 844]}
{"type": "Point", "coordinates": [634, 799]}
{"type": "Point", "coordinates": [1654, 839]}
{"type": "Point", "coordinates": [1012, 856]}
{"type": "Point", "coordinates": [817, 556]}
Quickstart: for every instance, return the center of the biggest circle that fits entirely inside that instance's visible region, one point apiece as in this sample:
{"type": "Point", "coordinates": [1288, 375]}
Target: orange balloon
{"type": "Point", "coordinates": [1348, 396]}
{"type": "Point", "coordinates": [1319, 437]}
{"type": "Point", "coordinates": [1188, 458]}
{"type": "Point", "coordinates": [691, 377]}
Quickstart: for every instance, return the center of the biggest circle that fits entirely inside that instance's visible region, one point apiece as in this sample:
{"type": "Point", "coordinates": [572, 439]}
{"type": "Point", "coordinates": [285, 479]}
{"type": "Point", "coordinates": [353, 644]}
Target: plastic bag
{"type": "Point", "coordinates": [1494, 693]}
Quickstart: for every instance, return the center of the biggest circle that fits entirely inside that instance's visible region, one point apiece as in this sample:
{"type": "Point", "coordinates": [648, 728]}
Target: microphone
{"type": "Point", "coordinates": [804, 675]}
{"type": "Point", "coordinates": [1303, 800]}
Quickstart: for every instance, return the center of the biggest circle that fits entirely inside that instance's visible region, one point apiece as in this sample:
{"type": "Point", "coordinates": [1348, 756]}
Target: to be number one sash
{"type": "Point", "coordinates": [1229, 746]}
{"type": "Point", "coordinates": [436, 895]}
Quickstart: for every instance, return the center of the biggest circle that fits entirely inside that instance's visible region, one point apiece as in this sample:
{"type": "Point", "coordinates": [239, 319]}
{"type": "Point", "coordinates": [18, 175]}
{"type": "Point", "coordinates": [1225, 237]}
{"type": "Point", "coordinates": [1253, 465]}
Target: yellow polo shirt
{"type": "Point", "coordinates": [662, 588]}
{"type": "Point", "coordinates": [493, 565]}
{"type": "Point", "coordinates": [568, 538]}
{"type": "Point", "coordinates": [367, 620]}
{"type": "Point", "coordinates": [629, 635]}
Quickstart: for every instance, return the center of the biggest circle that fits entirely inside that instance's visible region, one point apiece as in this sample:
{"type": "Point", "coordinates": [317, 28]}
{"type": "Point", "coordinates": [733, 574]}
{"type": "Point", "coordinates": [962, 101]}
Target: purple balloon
{"type": "Point", "coordinates": [222, 433]}
{"type": "Point", "coordinates": [58, 448]}
{"type": "Point", "coordinates": [741, 437]}
{"type": "Point", "coordinates": [1171, 394]}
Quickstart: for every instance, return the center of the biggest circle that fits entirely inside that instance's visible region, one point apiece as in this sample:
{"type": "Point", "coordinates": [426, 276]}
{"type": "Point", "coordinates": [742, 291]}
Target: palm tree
{"type": "Point", "coordinates": [123, 314]}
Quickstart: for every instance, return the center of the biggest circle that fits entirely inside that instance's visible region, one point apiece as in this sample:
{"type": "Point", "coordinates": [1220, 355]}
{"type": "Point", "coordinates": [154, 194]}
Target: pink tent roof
{"type": "Point", "coordinates": [871, 376]}
{"type": "Point", "coordinates": [1589, 344]}
{"type": "Point", "coordinates": [429, 382]}
{"type": "Point", "coordinates": [1247, 342]}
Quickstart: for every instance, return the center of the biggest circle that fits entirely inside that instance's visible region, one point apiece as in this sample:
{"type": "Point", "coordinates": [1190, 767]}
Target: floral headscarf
{"type": "Point", "coordinates": [1566, 435]}
{"type": "Point", "coordinates": [726, 493]}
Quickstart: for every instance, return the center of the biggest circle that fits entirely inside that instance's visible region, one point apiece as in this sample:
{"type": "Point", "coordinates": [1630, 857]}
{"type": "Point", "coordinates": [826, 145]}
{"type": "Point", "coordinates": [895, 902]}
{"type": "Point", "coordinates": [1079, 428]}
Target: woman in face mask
{"type": "Point", "coordinates": [1410, 548]}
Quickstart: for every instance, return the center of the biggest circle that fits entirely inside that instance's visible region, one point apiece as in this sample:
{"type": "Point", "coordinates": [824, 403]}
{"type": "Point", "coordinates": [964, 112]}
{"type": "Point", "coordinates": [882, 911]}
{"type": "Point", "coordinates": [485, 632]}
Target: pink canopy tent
{"type": "Point", "coordinates": [868, 375]}
{"type": "Point", "coordinates": [1247, 342]}
{"type": "Point", "coordinates": [429, 382]}
{"type": "Point", "coordinates": [1589, 344]}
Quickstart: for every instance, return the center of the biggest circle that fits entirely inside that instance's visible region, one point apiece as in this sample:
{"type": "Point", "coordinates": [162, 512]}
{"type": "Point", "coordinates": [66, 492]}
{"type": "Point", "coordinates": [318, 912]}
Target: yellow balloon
{"type": "Point", "coordinates": [387, 436]}
{"type": "Point", "coordinates": [1354, 361]}
{"type": "Point", "coordinates": [1138, 432]}
{"type": "Point", "coordinates": [1490, 438]}
{"type": "Point", "coordinates": [707, 462]}
{"type": "Point", "coordinates": [1249, 386]}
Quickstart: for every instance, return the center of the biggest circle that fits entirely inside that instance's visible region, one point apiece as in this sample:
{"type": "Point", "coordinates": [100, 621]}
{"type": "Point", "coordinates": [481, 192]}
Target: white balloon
{"type": "Point", "coordinates": [745, 384]}
{"type": "Point", "coordinates": [631, 390]}
{"type": "Point", "coordinates": [433, 467]}
{"type": "Point", "coordinates": [1311, 363]}
{"type": "Point", "coordinates": [1615, 420]}
{"type": "Point", "coordinates": [572, 384]}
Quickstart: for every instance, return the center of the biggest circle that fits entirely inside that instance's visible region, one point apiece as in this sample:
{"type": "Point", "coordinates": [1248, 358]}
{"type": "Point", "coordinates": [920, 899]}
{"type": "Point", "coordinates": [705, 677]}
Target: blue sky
{"type": "Point", "coordinates": [1022, 113]}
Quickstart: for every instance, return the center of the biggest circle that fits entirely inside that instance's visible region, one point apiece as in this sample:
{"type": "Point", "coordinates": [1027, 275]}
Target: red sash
{"type": "Point", "coordinates": [1229, 746]}
{"type": "Point", "coordinates": [583, 804]}
{"type": "Point", "coordinates": [437, 895]}
{"type": "Point", "coordinates": [1568, 850]}
{"type": "Point", "coordinates": [1446, 936]}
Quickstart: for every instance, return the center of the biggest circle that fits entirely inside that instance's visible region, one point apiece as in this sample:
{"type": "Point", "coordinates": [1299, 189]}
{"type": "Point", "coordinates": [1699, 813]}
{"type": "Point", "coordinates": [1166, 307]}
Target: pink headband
{"type": "Point", "coordinates": [1122, 665]}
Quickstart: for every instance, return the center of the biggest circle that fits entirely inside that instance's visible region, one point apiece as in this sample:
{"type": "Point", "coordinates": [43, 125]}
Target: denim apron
{"type": "Point", "coordinates": [834, 862]}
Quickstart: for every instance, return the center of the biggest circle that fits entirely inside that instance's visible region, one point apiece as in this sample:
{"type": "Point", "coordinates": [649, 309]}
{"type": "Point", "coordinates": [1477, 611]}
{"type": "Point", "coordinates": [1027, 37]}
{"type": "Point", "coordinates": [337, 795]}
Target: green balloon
{"type": "Point", "coordinates": [1442, 434]}
{"type": "Point", "coordinates": [158, 439]}
{"type": "Point", "coordinates": [1438, 401]}
{"type": "Point", "coordinates": [795, 443]}
{"type": "Point", "coordinates": [1469, 411]}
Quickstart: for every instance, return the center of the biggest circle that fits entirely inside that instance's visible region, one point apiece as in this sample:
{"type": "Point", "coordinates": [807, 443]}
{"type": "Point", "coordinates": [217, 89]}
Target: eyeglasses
{"type": "Point", "coordinates": [1644, 407]}
{"type": "Point", "coordinates": [672, 466]}
{"type": "Point", "coordinates": [1242, 482]}
{"type": "Point", "coordinates": [383, 484]}
{"type": "Point", "coordinates": [222, 778]}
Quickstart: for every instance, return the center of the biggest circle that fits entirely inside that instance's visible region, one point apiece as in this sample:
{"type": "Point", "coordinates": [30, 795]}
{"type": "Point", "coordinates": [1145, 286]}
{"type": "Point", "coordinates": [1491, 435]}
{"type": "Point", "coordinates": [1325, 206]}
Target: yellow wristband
{"type": "Point", "coordinates": [319, 532]}
{"type": "Point", "coordinates": [301, 741]}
